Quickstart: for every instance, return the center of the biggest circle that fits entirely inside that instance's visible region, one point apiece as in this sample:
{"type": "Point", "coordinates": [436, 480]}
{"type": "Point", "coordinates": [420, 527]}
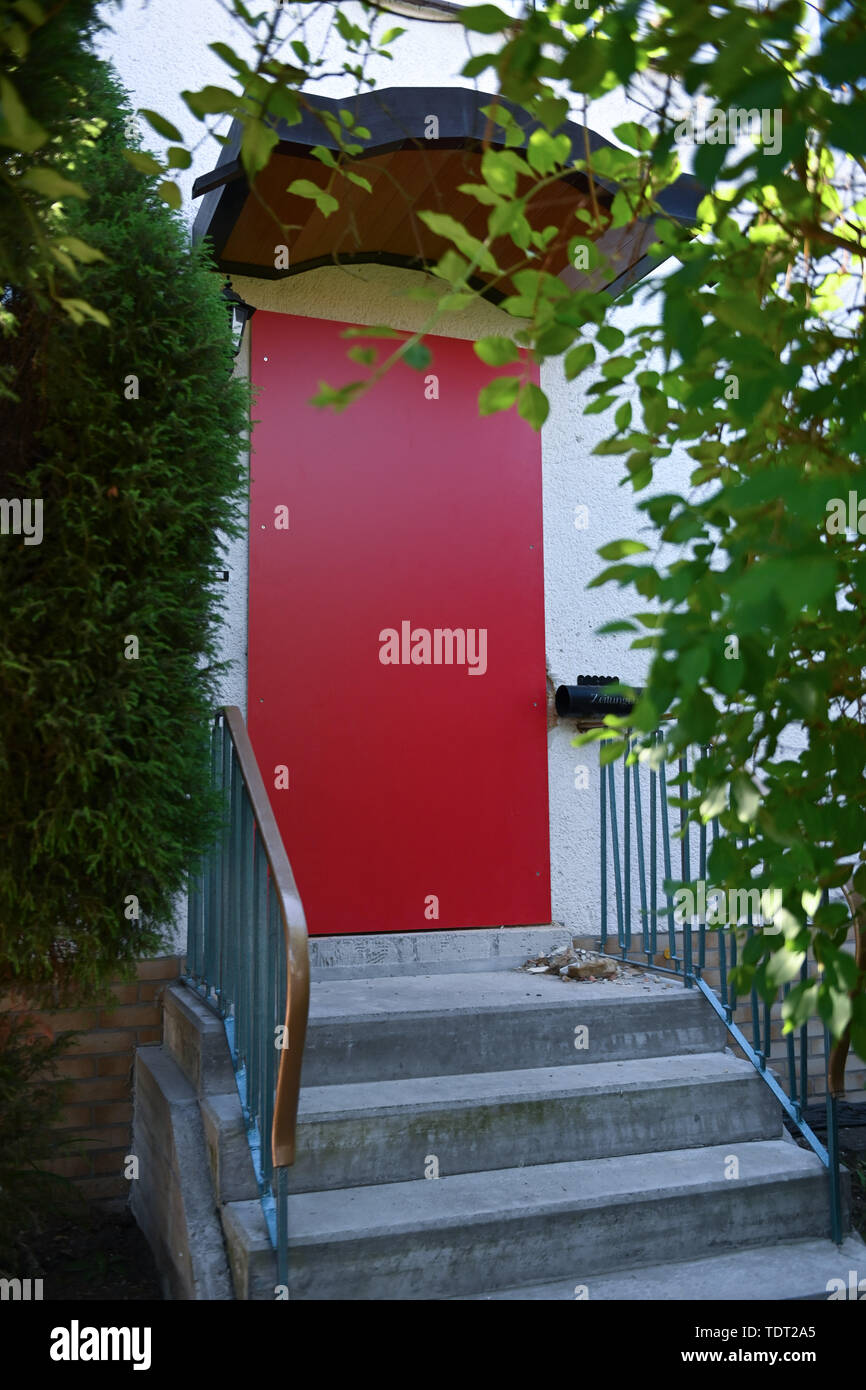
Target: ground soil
{"type": "Point", "coordinates": [91, 1256]}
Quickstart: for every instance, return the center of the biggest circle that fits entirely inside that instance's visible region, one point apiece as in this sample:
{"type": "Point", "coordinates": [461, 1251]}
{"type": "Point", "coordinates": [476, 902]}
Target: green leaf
{"type": "Point", "coordinates": [532, 405]}
{"type": "Point", "coordinates": [170, 194]}
{"type": "Point", "coordinates": [455, 303]}
{"type": "Point", "coordinates": [337, 397]}
{"type": "Point", "coordinates": [365, 356]}
{"type": "Point", "coordinates": [496, 351]}
{"type": "Point", "coordinates": [179, 157]}
{"type": "Point", "coordinates": [478, 64]}
{"type": "Point", "coordinates": [616, 550]}
{"type": "Point", "coordinates": [508, 220]}
{"type": "Point", "coordinates": [609, 752]}
{"type": "Point", "coordinates": [499, 172]}
{"type": "Point", "coordinates": [610, 338]}
{"type": "Point", "coordinates": [715, 802]}
{"type": "Point", "coordinates": [161, 125]}
{"type": "Point", "coordinates": [578, 360]}
{"type": "Point", "coordinates": [600, 404]}
{"type": "Point", "coordinates": [847, 130]}
{"type": "Point", "coordinates": [636, 137]}
{"type": "Point", "coordinates": [484, 19]}
{"type": "Point", "coordinates": [80, 250]}
{"type": "Point", "coordinates": [325, 156]}
{"type": "Point", "coordinates": [305, 188]}
{"type": "Point", "coordinates": [32, 12]}
{"type": "Point", "coordinates": [359, 180]}
{"type": "Point", "coordinates": [145, 163]}
{"type": "Point", "coordinates": [746, 798]}
{"type": "Point", "coordinates": [498, 395]}
{"type": "Point", "coordinates": [229, 57]}
{"type": "Point", "coordinates": [18, 128]}
{"type": "Point", "coordinates": [445, 226]}
{"type": "Point", "coordinates": [377, 330]}
{"type": "Point", "coordinates": [547, 152]}
{"type": "Point", "coordinates": [417, 356]}
{"type": "Point", "coordinates": [834, 1007]}
{"type": "Point", "coordinates": [256, 144]}
{"type": "Point", "coordinates": [79, 311]}
{"type": "Point", "coordinates": [50, 184]}
{"type": "Point", "coordinates": [211, 101]}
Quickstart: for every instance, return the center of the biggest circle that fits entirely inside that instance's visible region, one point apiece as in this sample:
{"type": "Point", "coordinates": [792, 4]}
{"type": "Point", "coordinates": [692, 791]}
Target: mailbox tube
{"type": "Point", "coordinates": [592, 701]}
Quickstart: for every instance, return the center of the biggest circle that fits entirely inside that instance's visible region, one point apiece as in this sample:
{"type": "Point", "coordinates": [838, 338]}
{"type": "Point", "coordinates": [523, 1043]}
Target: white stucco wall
{"type": "Point", "coordinates": [158, 48]}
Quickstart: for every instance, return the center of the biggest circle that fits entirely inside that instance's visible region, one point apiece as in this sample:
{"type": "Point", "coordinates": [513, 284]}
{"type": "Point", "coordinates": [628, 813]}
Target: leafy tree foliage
{"type": "Point", "coordinates": [45, 62]}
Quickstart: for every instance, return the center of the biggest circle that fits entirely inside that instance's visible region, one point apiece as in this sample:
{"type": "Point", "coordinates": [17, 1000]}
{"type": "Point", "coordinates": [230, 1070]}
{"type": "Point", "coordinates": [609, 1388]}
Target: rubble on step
{"type": "Point", "coordinates": [573, 962]}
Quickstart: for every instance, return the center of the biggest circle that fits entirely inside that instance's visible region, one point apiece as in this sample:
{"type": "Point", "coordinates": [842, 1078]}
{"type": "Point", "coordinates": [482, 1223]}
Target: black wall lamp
{"type": "Point", "coordinates": [239, 312]}
{"type": "Point", "coordinates": [589, 701]}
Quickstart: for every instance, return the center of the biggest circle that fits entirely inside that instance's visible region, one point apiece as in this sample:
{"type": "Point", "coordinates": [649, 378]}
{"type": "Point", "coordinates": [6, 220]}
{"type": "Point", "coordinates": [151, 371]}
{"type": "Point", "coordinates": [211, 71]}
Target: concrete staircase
{"type": "Point", "coordinates": [645, 1162]}
{"type": "Point", "coordinates": [590, 1141]}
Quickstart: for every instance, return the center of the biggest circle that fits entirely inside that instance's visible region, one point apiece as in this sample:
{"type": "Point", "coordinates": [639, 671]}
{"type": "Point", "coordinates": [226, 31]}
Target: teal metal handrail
{"type": "Point", "coordinates": [248, 958]}
{"type": "Point", "coordinates": [644, 784]}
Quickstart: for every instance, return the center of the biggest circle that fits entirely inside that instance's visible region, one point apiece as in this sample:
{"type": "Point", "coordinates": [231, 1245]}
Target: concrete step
{"type": "Point", "coordinates": [793, 1270]}
{"type": "Point", "coordinates": [519, 1226]}
{"type": "Point", "coordinates": [446, 1025]}
{"type": "Point", "coordinates": [387, 1131]}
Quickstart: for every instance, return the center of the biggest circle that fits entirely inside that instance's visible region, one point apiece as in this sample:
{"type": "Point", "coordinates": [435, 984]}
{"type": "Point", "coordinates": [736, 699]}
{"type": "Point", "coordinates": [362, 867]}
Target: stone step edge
{"type": "Point", "coordinates": [790, 1271]}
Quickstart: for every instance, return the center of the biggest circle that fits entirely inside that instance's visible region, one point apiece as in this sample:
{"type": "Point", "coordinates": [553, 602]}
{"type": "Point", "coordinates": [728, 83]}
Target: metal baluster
{"type": "Point", "coordinates": [654, 921]}
{"type": "Point", "coordinates": [246, 1019]}
{"type": "Point", "coordinates": [756, 1014]}
{"type": "Point", "coordinates": [804, 1047]}
{"type": "Point", "coordinates": [257, 1059]}
{"type": "Point", "coordinates": [792, 1060]}
{"type": "Point", "coordinates": [641, 862]}
{"type": "Point", "coordinates": [666, 845]}
{"type": "Point", "coordinates": [702, 852]}
{"type": "Point", "coordinates": [213, 925]}
{"type": "Point", "coordinates": [685, 862]}
{"type": "Point", "coordinates": [723, 973]}
{"type": "Point", "coordinates": [603, 810]}
{"type": "Point", "coordinates": [282, 1200]}
{"type": "Point", "coordinates": [225, 869]}
{"type": "Point", "coordinates": [626, 812]}
{"type": "Point", "coordinates": [614, 836]}
{"type": "Point", "coordinates": [194, 925]}
{"type": "Point", "coordinates": [833, 1174]}
{"type": "Point", "coordinates": [235, 900]}
{"type": "Point", "coordinates": [270, 1022]}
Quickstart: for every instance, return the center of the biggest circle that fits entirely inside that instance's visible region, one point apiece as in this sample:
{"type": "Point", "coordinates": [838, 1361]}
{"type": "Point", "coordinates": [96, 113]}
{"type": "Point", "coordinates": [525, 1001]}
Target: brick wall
{"type": "Point", "coordinates": [99, 1067]}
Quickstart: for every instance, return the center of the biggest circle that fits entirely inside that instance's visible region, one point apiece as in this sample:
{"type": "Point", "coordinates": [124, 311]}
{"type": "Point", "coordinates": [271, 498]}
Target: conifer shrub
{"type": "Point", "coordinates": [129, 440]}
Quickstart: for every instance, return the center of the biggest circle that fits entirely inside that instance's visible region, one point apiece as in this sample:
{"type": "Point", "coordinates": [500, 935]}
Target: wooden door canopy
{"type": "Point", "coordinates": [409, 173]}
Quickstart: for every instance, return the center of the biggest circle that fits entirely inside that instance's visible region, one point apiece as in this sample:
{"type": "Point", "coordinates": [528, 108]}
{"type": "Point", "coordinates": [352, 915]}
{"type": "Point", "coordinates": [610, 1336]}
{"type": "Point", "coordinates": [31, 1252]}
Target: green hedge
{"type": "Point", "coordinates": [103, 773]}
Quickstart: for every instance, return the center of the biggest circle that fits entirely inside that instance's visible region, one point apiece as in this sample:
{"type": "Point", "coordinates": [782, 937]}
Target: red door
{"type": "Point", "coordinates": [396, 638]}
